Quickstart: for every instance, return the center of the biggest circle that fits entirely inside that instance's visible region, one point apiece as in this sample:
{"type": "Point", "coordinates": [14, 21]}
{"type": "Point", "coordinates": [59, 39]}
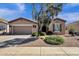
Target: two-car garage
{"type": "Point", "coordinates": [22, 29]}
{"type": "Point", "coordinates": [22, 26]}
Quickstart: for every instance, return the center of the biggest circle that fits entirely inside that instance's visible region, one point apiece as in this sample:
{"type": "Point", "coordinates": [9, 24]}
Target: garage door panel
{"type": "Point", "coordinates": [22, 29]}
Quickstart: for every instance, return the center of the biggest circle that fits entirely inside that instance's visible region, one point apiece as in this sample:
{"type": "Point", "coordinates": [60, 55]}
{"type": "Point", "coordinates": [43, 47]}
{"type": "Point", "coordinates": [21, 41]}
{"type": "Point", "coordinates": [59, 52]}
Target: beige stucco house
{"type": "Point", "coordinates": [25, 26]}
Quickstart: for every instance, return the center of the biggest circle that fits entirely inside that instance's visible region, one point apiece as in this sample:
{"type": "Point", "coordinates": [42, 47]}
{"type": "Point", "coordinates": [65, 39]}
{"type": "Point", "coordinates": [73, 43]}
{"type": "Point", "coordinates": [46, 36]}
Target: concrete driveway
{"type": "Point", "coordinates": [9, 37]}
{"type": "Point", "coordinates": [15, 40]}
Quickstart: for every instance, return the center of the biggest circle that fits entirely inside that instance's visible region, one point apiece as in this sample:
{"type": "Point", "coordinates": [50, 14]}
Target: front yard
{"type": "Point", "coordinates": [28, 41]}
{"type": "Point", "coordinates": [68, 42]}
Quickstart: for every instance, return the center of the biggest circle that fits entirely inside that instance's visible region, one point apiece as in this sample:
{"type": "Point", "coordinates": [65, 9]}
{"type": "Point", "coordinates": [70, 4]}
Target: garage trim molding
{"type": "Point", "coordinates": [21, 24]}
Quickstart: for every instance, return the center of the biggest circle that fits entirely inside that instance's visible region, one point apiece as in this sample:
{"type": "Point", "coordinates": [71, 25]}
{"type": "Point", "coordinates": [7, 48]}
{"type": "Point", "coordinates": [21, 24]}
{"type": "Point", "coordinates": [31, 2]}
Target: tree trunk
{"type": "Point", "coordinates": [41, 25]}
{"type": "Point", "coordinates": [38, 28]}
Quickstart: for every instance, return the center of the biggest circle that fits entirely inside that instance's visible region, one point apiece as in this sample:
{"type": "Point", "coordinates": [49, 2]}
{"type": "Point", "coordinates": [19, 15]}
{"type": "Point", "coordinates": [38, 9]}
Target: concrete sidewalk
{"type": "Point", "coordinates": [39, 51]}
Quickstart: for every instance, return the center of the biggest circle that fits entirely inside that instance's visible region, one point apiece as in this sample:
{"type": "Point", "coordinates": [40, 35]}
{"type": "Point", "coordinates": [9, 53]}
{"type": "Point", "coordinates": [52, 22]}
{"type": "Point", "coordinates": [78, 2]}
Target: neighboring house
{"type": "Point", "coordinates": [74, 26]}
{"type": "Point", "coordinates": [4, 26]}
{"type": "Point", "coordinates": [25, 26]}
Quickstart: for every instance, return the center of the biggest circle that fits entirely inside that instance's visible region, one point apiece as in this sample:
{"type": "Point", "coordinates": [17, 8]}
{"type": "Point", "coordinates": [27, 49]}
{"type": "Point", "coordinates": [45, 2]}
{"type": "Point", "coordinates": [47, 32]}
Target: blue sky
{"type": "Point", "coordinates": [10, 11]}
{"type": "Point", "coordinates": [70, 12]}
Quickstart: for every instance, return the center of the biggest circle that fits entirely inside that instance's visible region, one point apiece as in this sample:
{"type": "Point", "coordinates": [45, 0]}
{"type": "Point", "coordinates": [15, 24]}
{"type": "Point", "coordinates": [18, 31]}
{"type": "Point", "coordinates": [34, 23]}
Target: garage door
{"type": "Point", "coordinates": [22, 29]}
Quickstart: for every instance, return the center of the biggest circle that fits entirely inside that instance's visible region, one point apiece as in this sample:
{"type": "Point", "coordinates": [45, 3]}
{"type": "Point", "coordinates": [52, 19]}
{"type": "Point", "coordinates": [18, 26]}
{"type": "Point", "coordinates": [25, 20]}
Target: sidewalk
{"type": "Point", "coordinates": [39, 51]}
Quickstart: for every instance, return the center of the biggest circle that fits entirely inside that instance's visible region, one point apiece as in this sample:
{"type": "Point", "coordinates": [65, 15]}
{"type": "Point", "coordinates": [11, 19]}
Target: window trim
{"type": "Point", "coordinates": [57, 25]}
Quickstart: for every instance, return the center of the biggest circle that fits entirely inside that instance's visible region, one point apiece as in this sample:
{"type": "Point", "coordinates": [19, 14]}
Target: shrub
{"type": "Point", "coordinates": [49, 33]}
{"type": "Point", "coordinates": [54, 40]}
{"type": "Point", "coordinates": [40, 34]}
{"type": "Point", "coordinates": [34, 34]}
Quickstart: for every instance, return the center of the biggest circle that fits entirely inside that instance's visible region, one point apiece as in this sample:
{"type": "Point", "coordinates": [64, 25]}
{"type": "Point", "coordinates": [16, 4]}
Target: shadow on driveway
{"type": "Point", "coordinates": [16, 41]}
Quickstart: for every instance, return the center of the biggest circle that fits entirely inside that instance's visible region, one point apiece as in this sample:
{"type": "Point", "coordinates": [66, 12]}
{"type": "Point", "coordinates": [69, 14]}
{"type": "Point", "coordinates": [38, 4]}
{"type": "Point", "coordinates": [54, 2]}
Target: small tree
{"type": "Point", "coordinates": [37, 15]}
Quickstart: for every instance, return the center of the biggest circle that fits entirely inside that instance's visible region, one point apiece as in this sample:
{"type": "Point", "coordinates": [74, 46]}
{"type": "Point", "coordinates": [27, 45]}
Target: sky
{"type": "Point", "coordinates": [10, 11]}
{"type": "Point", "coordinates": [70, 12]}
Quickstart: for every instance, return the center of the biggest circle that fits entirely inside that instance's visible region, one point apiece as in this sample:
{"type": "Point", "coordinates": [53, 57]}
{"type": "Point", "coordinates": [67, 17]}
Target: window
{"type": "Point", "coordinates": [57, 27]}
{"type": "Point", "coordinates": [34, 26]}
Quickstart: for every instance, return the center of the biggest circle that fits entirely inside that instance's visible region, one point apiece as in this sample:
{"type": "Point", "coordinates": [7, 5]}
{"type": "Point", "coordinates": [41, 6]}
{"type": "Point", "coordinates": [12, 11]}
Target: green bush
{"type": "Point", "coordinates": [36, 33]}
{"type": "Point", "coordinates": [41, 33]}
{"type": "Point", "coordinates": [54, 40]}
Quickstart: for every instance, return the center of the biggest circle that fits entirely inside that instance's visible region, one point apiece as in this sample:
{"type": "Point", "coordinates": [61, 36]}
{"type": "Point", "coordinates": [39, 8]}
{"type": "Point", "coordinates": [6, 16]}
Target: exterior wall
{"type": "Point", "coordinates": [62, 26]}
{"type": "Point", "coordinates": [35, 29]}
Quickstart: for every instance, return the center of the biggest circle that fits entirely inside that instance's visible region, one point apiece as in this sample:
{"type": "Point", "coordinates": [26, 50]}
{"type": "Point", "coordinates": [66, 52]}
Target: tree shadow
{"type": "Point", "coordinates": [16, 41]}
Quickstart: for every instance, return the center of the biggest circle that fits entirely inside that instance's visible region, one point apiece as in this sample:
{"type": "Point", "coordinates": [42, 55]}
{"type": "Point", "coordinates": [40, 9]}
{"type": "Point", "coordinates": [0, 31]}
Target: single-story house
{"type": "Point", "coordinates": [26, 26]}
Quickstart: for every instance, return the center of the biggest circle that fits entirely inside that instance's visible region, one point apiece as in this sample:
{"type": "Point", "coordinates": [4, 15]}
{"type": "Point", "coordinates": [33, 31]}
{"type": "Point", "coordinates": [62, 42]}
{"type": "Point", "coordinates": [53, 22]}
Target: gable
{"type": "Point", "coordinates": [22, 21]}
{"type": "Point", "coordinates": [58, 19]}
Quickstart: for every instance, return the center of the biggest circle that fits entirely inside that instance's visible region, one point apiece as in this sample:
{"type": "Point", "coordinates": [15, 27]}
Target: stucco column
{"type": "Point", "coordinates": [7, 29]}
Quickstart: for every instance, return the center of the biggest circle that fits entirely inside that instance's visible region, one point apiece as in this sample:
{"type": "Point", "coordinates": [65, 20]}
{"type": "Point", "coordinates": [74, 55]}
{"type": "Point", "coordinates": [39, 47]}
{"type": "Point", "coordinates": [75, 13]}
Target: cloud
{"type": "Point", "coordinates": [9, 14]}
{"type": "Point", "coordinates": [69, 13]}
{"type": "Point", "coordinates": [70, 5]}
{"type": "Point", "coordinates": [70, 17]}
{"type": "Point", "coordinates": [5, 10]}
{"type": "Point", "coordinates": [21, 6]}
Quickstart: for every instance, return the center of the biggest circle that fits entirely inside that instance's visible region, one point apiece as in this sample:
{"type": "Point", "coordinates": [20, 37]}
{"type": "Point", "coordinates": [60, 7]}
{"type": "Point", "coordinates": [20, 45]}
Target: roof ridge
{"type": "Point", "coordinates": [22, 18]}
